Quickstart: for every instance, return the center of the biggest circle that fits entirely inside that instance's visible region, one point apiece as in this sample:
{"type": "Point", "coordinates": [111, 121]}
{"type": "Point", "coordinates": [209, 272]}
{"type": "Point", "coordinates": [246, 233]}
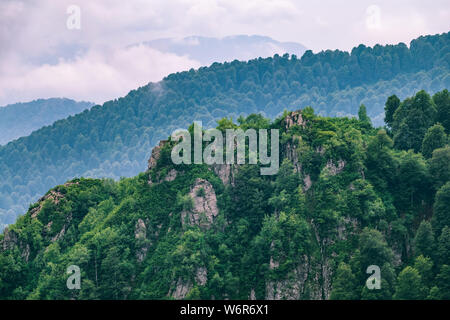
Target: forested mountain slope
{"type": "Point", "coordinates": [346, 196]}
{"type": "Point", "coordinates": [114, 139]}
{"type": "Point", "coordinates": [20, 119]}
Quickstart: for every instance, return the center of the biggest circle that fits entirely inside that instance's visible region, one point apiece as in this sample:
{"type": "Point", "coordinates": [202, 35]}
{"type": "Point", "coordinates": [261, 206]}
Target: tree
{"type": "Point", "coordinates": [441, 216]}
{"type": "Point", "coordinates": [443, 250]}
{"type": "Point", "coordinates": [443, 282]}
{"type": "Point", "coordinates": [424, 266]}
{"type": "Point", "coordinates": [412, 120]}
{"type": "Point", "coordinates": [440, 166]}
{"type": "Point", "coordinates": [442, 101]}
{"type": "Point", "coordinates": [380, 161]}
{"type": "Point", "coordinates": [424, 240]}
{"type": "Point", "coordinates": [344, 284]}
{"type": "Point", "coordinates": [362, 115]}
{"type": "Point", "coordinates": [413, 181]}
{"type": "Point", "coordinates": [434, 138]}
{"type": "Point", "coordinates": [392, 104]}
{"type": "Point", "coordinates": [409, 285]}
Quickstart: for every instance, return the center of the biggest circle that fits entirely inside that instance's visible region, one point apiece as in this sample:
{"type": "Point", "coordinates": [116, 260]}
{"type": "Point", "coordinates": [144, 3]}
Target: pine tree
{"type": "Point", "coordinates": [409, 285]}
{"type": "Point", "coordinates": [434, 138]}
{"type": "Point", "coordinates": [344, 284]}
{"type": "Point", "coordinates": [424, 240]}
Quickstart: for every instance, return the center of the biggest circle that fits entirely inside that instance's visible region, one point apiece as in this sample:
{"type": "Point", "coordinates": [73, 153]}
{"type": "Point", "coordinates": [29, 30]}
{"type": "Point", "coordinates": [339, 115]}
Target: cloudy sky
{"type": "Point", "coordinates": [81, 49]}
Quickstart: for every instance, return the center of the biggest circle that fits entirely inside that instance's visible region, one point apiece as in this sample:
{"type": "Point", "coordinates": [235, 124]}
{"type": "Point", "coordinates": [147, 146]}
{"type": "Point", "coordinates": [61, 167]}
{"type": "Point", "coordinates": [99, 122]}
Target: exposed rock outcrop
{"type": "Point", "coordinates": [201, 276]}
{"type": "Point", "coordinates": [293, 286]}
{"type": "Point", "coordinates": [182, 288]}
{"type": "Point", "coordinates": [11, 240]}
{"type": "Point", "coordinates": [62, 232]}
{"type": "Point", "coordinates": [156, 154]}
{"type": "Point", "coordinates": [334, 169]}
{"type": "Point", "coordinates": [204, 208]}
{"type": "Point", "coordinates": [226, 172]}
{"type": "Point", "coordinates": [140, 234]}
{"type": "Point", "coordinates": [294, 119]}
{"type": "Point", "coordinates": [307, 182]}
{"type": "Point", "coordinates": [170, 176]}
{"type": "Point", "coordinates": [53, 195]}
{"type": "Point", "coordinates": [346, 227]}
{"type": "Point", "coordinates": [293, 154]}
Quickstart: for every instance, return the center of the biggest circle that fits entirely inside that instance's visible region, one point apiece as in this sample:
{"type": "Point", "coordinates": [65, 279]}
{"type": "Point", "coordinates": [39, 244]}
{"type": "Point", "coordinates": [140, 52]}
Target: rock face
{"type": "Point", "coordinates": [294, 119]}
{"type": "Point", "coordinates": [53, 195]}
{"type": "Point", "coordinates": [140, 234]}
{"type": "Point", "coordinates": [156, 154]}
{"type": "Point", "coordinates": [182, 288]}
{"type": "Point", "coordinates": [201, 276]}
{"type": "Point", "coordinates": [292, 153]}
{"type": "Point", "coordinates": [335, 169]}
{"type": "Point", "coordinates": [11, 240]}
{"type": "Point", "coordinates": [293, 286]}
{"type": "Point", "coordinates": [226, 172]}
{"type": "Point", "coordinates": [204, 208]}
{"type": "Point", "coordinates": [307, 182]}
{"type": "Point", "coordinates": [171, 175]}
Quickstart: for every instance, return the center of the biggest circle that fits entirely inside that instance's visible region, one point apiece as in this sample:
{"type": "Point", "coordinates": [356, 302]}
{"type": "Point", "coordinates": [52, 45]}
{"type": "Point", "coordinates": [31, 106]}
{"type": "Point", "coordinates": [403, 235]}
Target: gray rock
{"type": "Point", "coordinates": [204, 206]}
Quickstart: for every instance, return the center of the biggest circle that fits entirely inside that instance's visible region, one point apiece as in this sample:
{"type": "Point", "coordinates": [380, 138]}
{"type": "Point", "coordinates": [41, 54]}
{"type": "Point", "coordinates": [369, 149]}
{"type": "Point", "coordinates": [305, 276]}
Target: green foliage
{"type": "Point", "coordinates": [390, 107]}
{"type": "Point", "coordinates": [20, 119]}
{"type": "Point", "coordinates": [434, 138]}
{"type": "Point", "coordinates": [440, 166]}
{"type": "Point", "coordinates": [441, 218]}
{"type": "Point", "coordinates": [442, 102]}
{"type": "Point", "coordinates": [409, 286]}
{"type": "Point", "coordinates": [362, 115]}
{"type": "Point", "coordinates": [343, 199]}
{"type": "Point", "coordinates": [411, 121]}
{"type": "Point", "coordinates": [344, 286]}
{"type": "Point", "coordinates": [424, 242]}
{"type": "Point", "coordinates": [115, 139]}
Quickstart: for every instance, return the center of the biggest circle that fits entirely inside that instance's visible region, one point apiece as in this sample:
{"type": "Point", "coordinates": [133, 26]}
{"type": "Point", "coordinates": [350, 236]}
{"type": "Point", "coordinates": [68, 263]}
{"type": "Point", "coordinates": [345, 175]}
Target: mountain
{"type": "Point", "coordinates": [113, 140]}
{"type": "Point", "coordinates": [20, 119]}
{"type": "Point", "coordinates": [346, 197]}
{"type": "Point", "coordinates": [240, 47]}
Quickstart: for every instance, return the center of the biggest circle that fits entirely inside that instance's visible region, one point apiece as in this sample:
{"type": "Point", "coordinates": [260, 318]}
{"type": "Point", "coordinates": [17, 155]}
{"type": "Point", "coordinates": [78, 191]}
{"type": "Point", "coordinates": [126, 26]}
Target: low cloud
{"type": "Point", "coordinates": [96, 76]}
{"type": "Point", "coordinates": [40, 57]}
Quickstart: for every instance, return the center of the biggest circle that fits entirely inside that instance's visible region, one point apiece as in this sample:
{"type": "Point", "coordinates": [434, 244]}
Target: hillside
{"type": "Point", "coordinates": [20, 119]}
{"type": "Point", "coordinates": [113, 140]}
{"type": "Point", "coordinates": [346, 196]}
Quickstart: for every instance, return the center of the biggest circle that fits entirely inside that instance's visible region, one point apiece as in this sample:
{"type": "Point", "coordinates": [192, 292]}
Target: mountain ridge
{"type": "Point", "coordinates": [114, 139]}
{"type": "Point", "coordinates": [343, 199]}
{"type": "Point", "coordinates": [21, 118]}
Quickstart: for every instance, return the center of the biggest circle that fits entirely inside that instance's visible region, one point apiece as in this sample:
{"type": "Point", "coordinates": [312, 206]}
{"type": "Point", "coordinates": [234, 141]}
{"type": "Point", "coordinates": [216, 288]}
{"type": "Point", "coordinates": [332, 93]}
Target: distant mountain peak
{"type": "Point", "coordinates": [208, 50]}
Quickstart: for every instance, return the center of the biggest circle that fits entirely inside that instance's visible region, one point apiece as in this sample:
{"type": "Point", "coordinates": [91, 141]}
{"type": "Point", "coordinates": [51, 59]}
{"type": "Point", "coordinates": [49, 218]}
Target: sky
{"type": "Point", "coordinates": [85, 49]}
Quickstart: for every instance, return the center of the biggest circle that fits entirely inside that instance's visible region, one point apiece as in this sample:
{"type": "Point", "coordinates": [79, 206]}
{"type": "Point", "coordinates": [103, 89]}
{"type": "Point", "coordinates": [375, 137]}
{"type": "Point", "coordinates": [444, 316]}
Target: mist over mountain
{"type": "Point", "coordinates": [208, 50]}
{"type": "Point", "coordinates": [20, 119]}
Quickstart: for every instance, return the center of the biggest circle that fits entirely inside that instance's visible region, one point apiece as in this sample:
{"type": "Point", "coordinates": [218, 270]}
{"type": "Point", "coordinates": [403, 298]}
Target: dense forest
{"type": "Point", "coordinates": [20, 119]}
{"type": "Point", "coordinates": [347, 195]}
{"type": "Point", "coordinates": [115, 139]}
